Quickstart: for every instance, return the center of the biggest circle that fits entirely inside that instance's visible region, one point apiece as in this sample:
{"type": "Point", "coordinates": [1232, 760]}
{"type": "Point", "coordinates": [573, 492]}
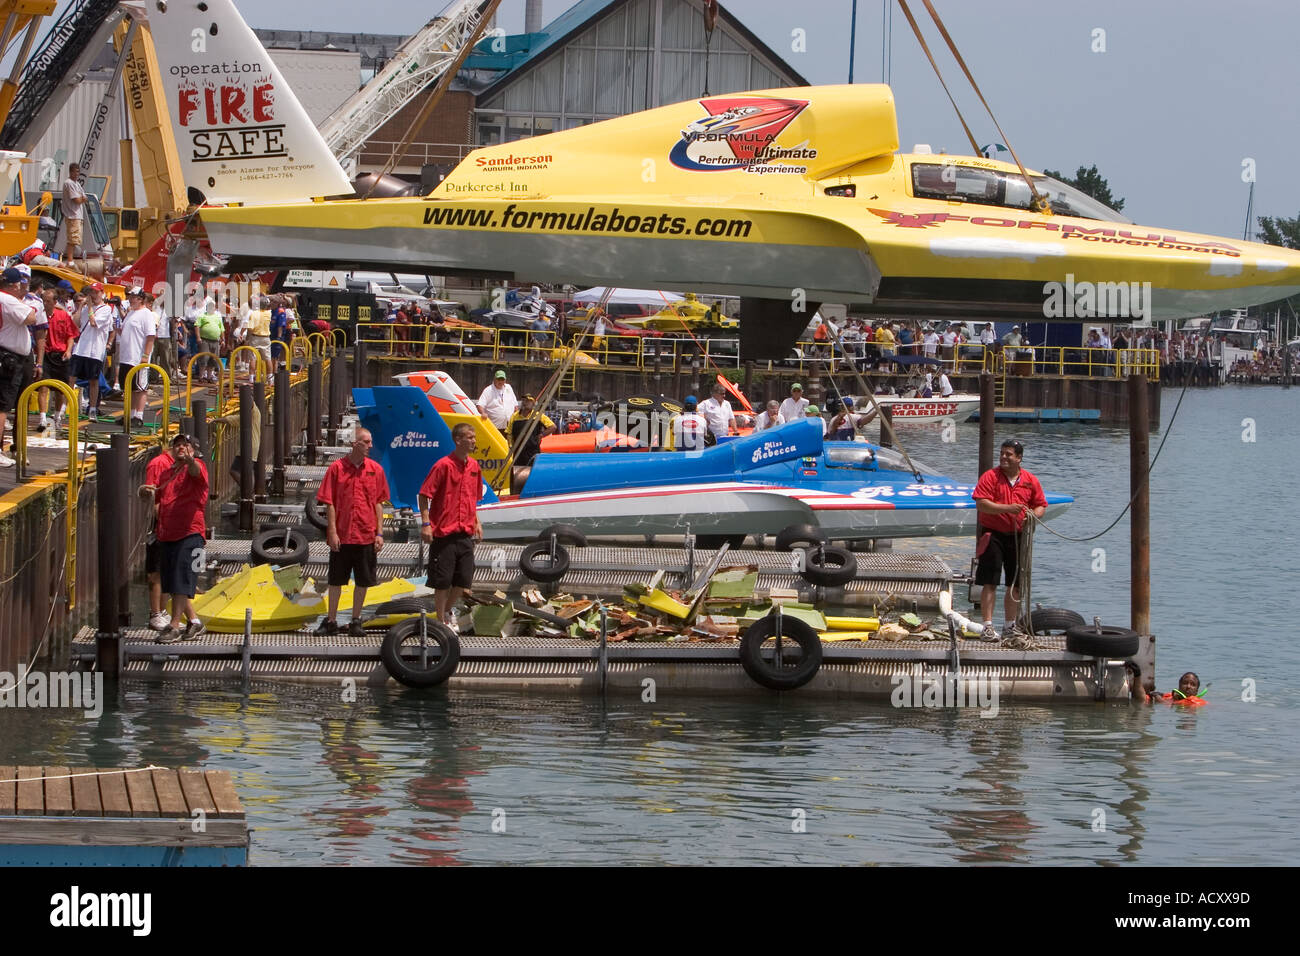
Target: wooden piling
{"type": "Point", "coordinates": [1139, 440]}
{"type": "Point", "coordinates": [313, 409]}
{"type": "Point", "coordinates": [988, 409]}
{"type": "Point", "coordinates": [245, 458]}
{"type": "Point", "coordinates": [886, 422]}
{"type": "Point", "coordinates": [106, 478]}
{"type": "Point", "coordinates": [121, 506]}
{"type": "Point", "coordinates": [265, 442]}
{"type": "Point", "coordinates": [281, 430]}
{"type": "Point", "coordinates": [200, 409]}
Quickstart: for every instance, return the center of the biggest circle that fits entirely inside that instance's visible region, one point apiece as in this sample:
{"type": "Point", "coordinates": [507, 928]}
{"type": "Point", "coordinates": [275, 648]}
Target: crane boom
{"type": "Point", "coordinates": [423, 59]}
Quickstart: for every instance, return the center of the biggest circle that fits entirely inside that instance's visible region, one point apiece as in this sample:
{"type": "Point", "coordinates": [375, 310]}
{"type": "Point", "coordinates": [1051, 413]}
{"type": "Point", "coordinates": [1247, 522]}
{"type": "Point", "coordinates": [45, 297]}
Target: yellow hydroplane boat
{"type": "Point", "coordinates": [787, 198]}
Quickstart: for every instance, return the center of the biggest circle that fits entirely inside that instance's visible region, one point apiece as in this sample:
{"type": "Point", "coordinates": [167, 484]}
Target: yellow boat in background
{"type": "Point", "coordinates": [690, 313]}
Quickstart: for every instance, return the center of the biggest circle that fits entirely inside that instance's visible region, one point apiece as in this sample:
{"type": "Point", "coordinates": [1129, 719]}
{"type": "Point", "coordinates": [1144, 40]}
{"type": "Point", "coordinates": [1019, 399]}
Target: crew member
{"type": "Point", "coordinates": [16, 318]}
{"type": "Point", "coordinates": [519, 421]}
{"type": "Point", "coordinates": [1004, 496]}
{"type": "Point", "coordinates": [353, 491]}
{"type": "Point", "coordinates": [58, 350]}
{"type": "Point", "coordinates": [73, 203]}
{"type": "Point", "coordinates": [134, 347]}
{"type": "Point", "coordinates": [181, 493]}
{"type": "Point", "coordinates": [770, 417]}
{"type": "Point", "coordinates": [498, 402]}
{"type": "Point", "coordinates": [792, 408]}
{"type": "Point", "coordinates": [449, 508]}
{"type": "Point", "coordinates": [717, 412]}
{"type": "Point", "coordinates": [690, 429]}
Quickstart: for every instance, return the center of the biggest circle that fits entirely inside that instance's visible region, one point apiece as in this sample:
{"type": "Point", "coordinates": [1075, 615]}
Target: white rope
{"type": "Point", "coordinates": [93, 773]}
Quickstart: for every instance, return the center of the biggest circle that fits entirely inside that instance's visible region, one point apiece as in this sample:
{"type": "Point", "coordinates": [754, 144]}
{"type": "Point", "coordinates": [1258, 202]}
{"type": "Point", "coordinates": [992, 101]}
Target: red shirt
{"type": "Point", "coordinates": [180, 497]}
{"type": "Point", "coordinates": [993, 485]}
{"type": "Point", "coordinates": [453, 490]}
{"type": "Point", "coordinates": [354, 492]}
{"type": "Point", "coordinates": [62, 332]}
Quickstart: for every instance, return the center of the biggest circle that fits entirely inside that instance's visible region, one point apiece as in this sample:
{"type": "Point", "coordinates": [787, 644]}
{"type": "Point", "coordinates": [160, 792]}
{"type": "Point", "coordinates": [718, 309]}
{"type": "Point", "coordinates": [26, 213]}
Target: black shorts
{"type": "Point", "coordinates": [153, 556]}
{"type": "Point", "coordinates": [55, 368]}
{"type": "Point", "coordinates": [451, 562]}
{"type": "Point", "coordinates": [14, 368]}
{"type": "Point", "coordinates": [86, 369]}
{"type": "Point", "coordinates": [360, 560]}
{"type": "Point", "coordinates": [999, 558]}
{"type": "Point", "coordinates": [181, 563]}
{"type": "Point", "coordinates": [139, 384]}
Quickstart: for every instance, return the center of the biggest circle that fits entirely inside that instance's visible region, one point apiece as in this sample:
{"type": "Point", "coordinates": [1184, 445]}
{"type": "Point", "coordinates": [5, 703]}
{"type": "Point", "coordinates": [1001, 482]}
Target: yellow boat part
{"type": "Point", "coordinates": [830, 637]}
{"type": "Point", "coordinates": [853, 623]}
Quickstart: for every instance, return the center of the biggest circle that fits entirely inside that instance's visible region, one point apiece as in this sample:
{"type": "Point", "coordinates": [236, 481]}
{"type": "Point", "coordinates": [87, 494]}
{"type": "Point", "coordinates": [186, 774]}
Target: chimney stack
{"type": "Point", "coordinates": [532, 16]}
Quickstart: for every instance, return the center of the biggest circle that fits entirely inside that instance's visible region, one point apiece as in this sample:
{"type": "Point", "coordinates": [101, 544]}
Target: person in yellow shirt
{"type": "Point", "coordinates": [259, 329]}
{"type": "Point", "coordinates": [885, 343]}
{"type": "Point", "coordinates": [514, 428]}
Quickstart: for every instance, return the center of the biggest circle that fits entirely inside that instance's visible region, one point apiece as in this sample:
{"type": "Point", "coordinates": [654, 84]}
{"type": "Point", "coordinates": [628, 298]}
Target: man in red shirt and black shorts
{"type": "Point", "coordinates": [1003, 496]}
{"type": "Point", "coordinates": [353, 490]}
{"type": "Point", "coordinates": [449, 508]}
{"type": "Point", "coordinates": [181, 493]}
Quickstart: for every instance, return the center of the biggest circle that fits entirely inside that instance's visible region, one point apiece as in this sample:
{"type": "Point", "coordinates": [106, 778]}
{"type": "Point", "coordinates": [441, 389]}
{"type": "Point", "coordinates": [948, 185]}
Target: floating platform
{"type": "Point", "coordinates": [1043, 415]}
{"type": "Point", "coordinates": [61, 816]}
{"type": "Point", "coordinates": [858, 669]}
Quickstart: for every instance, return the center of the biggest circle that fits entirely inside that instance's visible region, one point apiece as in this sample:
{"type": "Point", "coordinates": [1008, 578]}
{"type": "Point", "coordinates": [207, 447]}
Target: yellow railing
{"type": "Point", "coordinates": [189, 382]}
{"type": "Point", "coordinates": [319, 351]}
{"type": "Point", "coordinates": [73, 479]}
{"type": "Point", "coordinates": [166, 402]}
{"type": "Point", "coordinates": [258, 376]}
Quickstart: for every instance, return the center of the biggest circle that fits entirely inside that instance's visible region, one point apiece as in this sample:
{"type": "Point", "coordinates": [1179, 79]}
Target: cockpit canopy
{"type": "Point", "coordinates": [995, 187]}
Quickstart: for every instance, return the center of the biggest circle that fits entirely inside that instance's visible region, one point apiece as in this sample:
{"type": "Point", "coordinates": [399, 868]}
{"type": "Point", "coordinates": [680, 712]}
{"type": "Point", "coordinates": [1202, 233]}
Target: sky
{"type": "Point", "coordinates": [1177, 95]}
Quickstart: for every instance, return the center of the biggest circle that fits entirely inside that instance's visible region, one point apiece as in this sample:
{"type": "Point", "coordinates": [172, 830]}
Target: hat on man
{"type": "Point", "coordinates": [690, 402]}
{"type": "Point", "coordinates": [1015, 328]}
{"type": "Point", "coordinates": [65, 285]}
{"type": "Point", "coordinates": [530, 398]}
{"type": "Point", "coordinates": [11, 275]}
{"type": "Point", "coordinates": [796, 386]}
{"type": "Point", "coordinates": [848, 402]}
{"type": "Point", "coordinates": [96, 286]}
{"type": "Point", "coordinates": [24, 269]}
{"type": "Point", "coordinates": [137, 292]}
{"type": "Point", "coordinates": [500, 374]}
{"type": "Point", "coordinates": [812, 410]}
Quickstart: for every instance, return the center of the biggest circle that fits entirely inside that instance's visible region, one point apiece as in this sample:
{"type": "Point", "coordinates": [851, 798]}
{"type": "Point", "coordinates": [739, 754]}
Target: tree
{"type": "Point", "coordinates": [1089, 181]}
{"type": "Point", "coordinates": [1279, 231]}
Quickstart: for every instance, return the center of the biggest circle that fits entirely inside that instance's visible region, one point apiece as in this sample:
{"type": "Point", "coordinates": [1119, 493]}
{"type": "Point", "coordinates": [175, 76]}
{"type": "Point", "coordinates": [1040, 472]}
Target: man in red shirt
{"type": "Point", "coordinates": [449, 506]}
{"type": "Point", "coordinates": [60, 338]}
{"type": "Point", "coordinates": [353, 491]}
{"type": "Point", "coordinates": [180, 493]}
{"type": "Point", "coordinates": [154, 474]}
{"type": "Point", "coordinates": [1004, 496]}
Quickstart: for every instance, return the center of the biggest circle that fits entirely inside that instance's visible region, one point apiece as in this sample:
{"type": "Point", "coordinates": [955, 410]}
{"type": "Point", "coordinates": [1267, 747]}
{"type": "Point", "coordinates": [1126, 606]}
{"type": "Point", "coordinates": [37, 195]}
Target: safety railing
{"type": "Point", "coordinates": [319, 349]}
{"type": "Point", "coordinates": [258, 376]}
{"type": "Point", "coordinates": [166, 402]}
{"type": "Point", "coordinates": [73, 477]}
{"type": "Point", "coordinates": [189, 381]}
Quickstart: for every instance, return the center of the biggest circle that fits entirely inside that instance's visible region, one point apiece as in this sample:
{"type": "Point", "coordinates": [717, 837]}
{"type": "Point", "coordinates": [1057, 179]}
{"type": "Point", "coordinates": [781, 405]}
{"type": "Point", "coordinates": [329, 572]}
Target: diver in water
{"type": "Point", "coordinates": [1188, 692]}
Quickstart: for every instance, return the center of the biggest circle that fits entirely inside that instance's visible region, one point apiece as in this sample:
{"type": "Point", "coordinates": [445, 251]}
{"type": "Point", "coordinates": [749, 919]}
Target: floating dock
{"type": "Point", "coordinates": [76, 816]}
{"type": "Point", "coordinates": [1043, 415]}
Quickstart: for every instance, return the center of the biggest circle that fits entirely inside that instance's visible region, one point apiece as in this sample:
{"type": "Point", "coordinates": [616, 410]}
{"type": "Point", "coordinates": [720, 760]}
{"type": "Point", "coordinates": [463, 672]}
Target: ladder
{"type": "Point", "coordinates": [1000, 380]}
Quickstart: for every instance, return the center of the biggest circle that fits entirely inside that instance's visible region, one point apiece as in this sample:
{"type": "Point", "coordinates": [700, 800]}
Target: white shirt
{"type": "Point", "coordinates": [821, 421]}
{"type": "Point", "coordinates": [931, 341]}
{"type": "Point", "coordinates": [793, 408]}
{"type": "Point", "coordinates": [95, 326]}
{"type": "Point", "coordinates": [688, 431]}
{"type": "Point", "coordinates": [765, 421]}
{"type": "Point", "coordinates": [72, 190]}
{"type": "Point", "coordinates": [164, 324]}
{"type": "Point", "coordinates": [718, 414]}
{"type": "Point", "coordinates": [498, 404]}
{"type": "Point", "coordinates": [138, 327]}
{"type": "Point", "coordinates": [600, 325]}
{"type": "Point", "coordinates": [14, 335]}
{"type": "Point", "coordinates": [945, 386]}
{"type": "Point", "coordinates": [949, 338]}
{"type": "Point", "coordinates": [988, 337]}
{"type": "Point", "coordinates": [37, 303]}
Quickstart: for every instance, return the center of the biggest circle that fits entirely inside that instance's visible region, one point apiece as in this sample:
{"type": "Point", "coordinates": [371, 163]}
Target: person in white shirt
{"type": "Point", "coordinates": [948, 343]}
{"type": "Point", "coordinates": [717, 412]}
{"type": "Point", "coordinates": [945, 386]}
{"type": "Point", "coordinates": [72, 203]}
{"type": "Point", "coordinates": [769, 417]}
{"type": "Point", "coordinates": [689, 428]}
{"type": "Point", "coordinates": [134, 346]}
{"type": "Point", "coordinates": [96, 323]}
{"type": "Point", "coordinates": [930, 342]}
{"type": "Point", "coordinates": [164, 343]}
{"type": "Point", "coordinates": [987, 335]}
{"type": "Point", "coordinates": [16, 319]}
{"type": "Point", "coordinates": [793, 407]}
{"type": "Point", "coordinates": [498, 402]}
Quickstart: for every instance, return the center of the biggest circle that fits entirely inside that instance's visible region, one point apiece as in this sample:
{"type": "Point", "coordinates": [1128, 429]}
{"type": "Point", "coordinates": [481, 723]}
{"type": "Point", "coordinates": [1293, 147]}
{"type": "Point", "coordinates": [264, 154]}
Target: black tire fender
{"type": "Point", "coordinates": [829, 566]}
{"type": "Point", "coordinates": [279, 546]}
{"type": "Point", "coordinates": [397, 656]}
{"type": "Point", "coordinates": [764, 671]}
{"type": "Point", "coordinates": [565, 534]}
{"type": "Point", "coordinates": [539, 564]}
{"type": "Point", "coordinates": [406, 605]}
{"type": "Point", "coordinates": [314, 513]}
{"type": "Point", "coordinates": [1054, 620]}
{"type": "Point", "coordinates": [1103, 641]}
{"type": "Point", "coordinates": [799, 535]}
